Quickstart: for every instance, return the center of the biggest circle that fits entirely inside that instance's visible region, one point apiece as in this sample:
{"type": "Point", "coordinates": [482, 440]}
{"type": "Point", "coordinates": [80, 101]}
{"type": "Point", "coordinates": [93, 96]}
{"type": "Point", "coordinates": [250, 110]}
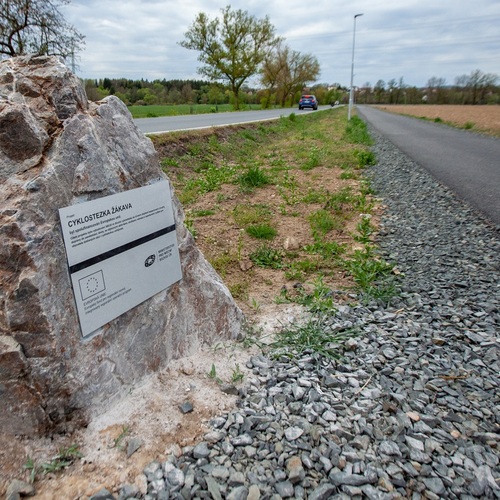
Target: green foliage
{"type": "Point", "coordinates": [288, 188]}
{"type": "Point", "coordinates": [246, 215]}
{"type": "Point", "coordinates": [64, 458]}
{"type": "Point", "coordinates": [314, 159]}
{"type": "Point", "coordinates": [266, 256]}
{"type": "Point", "coordinates": [356, 132]}
{"type": "Point", "coordinates": [262, 231]}
{"type": "Point", "coordinates": [327, 249]}
{"type": "Point", "coordinates": [237, 375]}
{"type": "Point", "coordinates": [322, 222]}
{"type": "Point", "coordinates": [253, 178]}
{"type": "Point", "coordinates": [231, 47]}
{"type": "Point", "coordinates": [364, 229]}
{"type": "Point", "coordinates": [365, 158]}
{"type": "Point", "coordinates": [313, 336]}
{"type": "Point", "coordinates": [373, 276]}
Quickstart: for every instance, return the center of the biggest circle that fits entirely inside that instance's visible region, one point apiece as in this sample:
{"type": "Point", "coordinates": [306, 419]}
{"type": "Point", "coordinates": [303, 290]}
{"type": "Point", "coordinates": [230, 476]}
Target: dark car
{"type": "Point", "coordinates": [308, 101]}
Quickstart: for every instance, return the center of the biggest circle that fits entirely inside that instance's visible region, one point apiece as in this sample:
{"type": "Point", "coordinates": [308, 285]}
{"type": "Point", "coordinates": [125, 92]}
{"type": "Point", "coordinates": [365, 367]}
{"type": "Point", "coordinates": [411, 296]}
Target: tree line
{"type": "Point", "coordinates": [474, 88]}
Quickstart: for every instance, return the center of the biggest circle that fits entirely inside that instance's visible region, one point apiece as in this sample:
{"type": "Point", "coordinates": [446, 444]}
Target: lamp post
{"type": "Point", "coordinates": [351, 91]}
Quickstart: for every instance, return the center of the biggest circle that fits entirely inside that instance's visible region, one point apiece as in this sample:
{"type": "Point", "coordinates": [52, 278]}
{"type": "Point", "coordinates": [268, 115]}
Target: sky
{"type": "Point", "coordinates": [410, 39]}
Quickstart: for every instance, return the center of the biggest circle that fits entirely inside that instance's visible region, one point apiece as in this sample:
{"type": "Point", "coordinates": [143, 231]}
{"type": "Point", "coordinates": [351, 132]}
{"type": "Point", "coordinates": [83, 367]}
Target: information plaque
{"type": "Point", "coordinates": [121, 249]}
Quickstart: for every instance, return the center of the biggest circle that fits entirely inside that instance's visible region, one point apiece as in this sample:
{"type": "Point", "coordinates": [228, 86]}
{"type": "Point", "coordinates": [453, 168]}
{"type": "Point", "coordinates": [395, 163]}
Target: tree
{"type": "Point", "coordinates": [288, 71]}
{"type": "Point", "coordinates": [231, 48]}
{"type": "Point", "coordinates": [37, 27]}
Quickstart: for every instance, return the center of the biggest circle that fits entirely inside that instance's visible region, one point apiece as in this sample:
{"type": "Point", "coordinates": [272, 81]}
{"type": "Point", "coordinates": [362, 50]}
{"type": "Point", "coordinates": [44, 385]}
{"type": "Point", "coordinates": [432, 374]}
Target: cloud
{"type": "Point", "coordinates": [415, 40]}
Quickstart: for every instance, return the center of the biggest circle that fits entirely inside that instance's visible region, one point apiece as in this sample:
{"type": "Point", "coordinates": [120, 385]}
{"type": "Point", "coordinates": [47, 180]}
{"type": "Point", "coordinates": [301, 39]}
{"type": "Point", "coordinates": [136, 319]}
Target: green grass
{"type": "Point", "coordinates": [266, 256]}
{"type": "Point", "coordinates": [294, 340]}
{"type": "Point", "coordinates": [246, 215]}
{"type": "Point", "coordinates": [183, 109]}
{"type": "Point", "coordinates": [253, 177]}
{"type": "Point", "coordinates": [262, 231]}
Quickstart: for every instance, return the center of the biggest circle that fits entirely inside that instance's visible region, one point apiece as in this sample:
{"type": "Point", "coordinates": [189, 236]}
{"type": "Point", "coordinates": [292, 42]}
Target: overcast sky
{"type": "Point", "coordinates": [413, 39]}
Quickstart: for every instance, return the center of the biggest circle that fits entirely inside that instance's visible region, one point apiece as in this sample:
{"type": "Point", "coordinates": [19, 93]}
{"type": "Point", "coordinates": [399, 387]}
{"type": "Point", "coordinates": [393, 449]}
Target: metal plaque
{"type": "Point", "coordinates": [121, 249]}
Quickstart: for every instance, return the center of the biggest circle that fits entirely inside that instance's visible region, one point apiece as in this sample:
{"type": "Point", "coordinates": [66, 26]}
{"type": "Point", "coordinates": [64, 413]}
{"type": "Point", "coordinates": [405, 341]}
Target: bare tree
{"type": "Point", "coordinates": [37, 27]}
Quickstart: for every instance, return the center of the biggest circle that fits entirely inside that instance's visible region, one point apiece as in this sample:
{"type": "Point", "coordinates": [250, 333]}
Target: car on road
{"type": "Point", "coordinates": [308, 101]}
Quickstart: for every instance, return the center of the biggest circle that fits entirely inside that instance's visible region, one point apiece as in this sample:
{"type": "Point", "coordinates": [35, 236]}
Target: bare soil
{"type": "Point", "coordinates": [485, 118]}
{"type": "Point", "coordinates": [151, 412]}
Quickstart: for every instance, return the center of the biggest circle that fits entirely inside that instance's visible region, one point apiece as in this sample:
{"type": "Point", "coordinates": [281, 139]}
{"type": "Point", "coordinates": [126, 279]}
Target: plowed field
{"type": "Point", "coordinates": [485, 119]}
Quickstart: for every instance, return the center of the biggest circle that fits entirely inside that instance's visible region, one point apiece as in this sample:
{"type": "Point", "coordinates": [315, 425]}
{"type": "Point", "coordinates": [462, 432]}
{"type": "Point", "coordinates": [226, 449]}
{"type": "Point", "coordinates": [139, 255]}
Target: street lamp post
{"type": "Point", "coordinates": [351, 90]}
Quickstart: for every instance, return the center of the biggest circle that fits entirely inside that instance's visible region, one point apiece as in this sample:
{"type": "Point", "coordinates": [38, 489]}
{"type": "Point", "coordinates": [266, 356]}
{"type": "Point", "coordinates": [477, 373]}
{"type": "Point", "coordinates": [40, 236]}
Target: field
{"type": "Point", "coordinates": [484, 119]}
{"type": "Point", "coordinates": [184, 109]}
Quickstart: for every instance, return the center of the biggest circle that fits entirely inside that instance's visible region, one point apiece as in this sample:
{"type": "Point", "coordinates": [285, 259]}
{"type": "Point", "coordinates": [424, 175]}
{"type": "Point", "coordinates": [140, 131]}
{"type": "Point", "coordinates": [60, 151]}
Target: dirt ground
{"type": "Point", "coordinates": [150, 413]}
{"type": "Point", "coordinates": [478, 118]}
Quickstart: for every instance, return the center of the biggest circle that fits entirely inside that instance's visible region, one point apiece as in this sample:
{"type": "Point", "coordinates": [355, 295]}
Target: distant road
{"type": "Point", "coordinates": [165, 124]}
{"type": "Point", "coordinates": [466, 162]}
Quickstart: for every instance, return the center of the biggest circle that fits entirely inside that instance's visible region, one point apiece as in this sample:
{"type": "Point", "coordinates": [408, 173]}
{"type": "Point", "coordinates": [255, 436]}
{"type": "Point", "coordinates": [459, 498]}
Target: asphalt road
{"type": "Point", "coordinates": [164, 124]}
{"type": "Point", "coordinates": [466, 162]}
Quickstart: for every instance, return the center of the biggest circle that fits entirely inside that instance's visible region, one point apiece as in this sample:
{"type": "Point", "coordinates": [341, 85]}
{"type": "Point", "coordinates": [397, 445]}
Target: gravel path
{"type": "Point", "coordinates": [411, 411]}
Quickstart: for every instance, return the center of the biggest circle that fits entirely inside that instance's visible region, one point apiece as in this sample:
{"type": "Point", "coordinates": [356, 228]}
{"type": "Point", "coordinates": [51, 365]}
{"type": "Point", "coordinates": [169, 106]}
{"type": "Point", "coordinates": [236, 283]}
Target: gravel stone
{"type": "Point", "coordinates": [410, 409]}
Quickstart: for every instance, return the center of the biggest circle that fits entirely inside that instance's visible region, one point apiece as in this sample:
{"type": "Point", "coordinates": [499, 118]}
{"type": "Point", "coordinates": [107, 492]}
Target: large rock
{"type": "Point", "coordinates": [58, 149]}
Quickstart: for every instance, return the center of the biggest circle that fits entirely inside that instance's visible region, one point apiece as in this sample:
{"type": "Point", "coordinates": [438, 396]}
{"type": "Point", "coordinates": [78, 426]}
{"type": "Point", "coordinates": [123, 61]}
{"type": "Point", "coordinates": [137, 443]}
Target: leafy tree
{"type": "Point", "coordinates": [37, 27]}
{"type": "Point", "coordinates": [288, 71]}
{"type": "Point", "coordinates": [232, 47]}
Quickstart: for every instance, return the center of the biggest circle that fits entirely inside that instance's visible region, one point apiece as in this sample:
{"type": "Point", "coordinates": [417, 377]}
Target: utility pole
{"type": "Point", "coordinates": [351, 90]}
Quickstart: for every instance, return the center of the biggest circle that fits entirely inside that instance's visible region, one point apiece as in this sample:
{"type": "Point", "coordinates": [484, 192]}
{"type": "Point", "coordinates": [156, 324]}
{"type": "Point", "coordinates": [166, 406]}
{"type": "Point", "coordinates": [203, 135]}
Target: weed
{"type": "Point", "coordinates": [169, 162]}
{"type": "Point", "coordinates": [320, 300]}
{"type": "Point", "coordinates": [213, 372]}
{"type": "Point", "coordinates": [311, 336]}
{"type": "Point", "coordinates": [118, 442]}
{"type": "Point", "coordinates": [365, 158]}
{"type": "Point", "coordinates": [348, 174]}
{"type": "Point", "coordinates": [31, 466]}
{"type": "Point", "coordinates": [356, 132]}
{"type": "Point", "coordinates": [266, 256]}
{"type": "Point", "coordinates": [366, 268]}
{"type": "Point", "coordinates": [288, 189]}
{"type": "Point", "coordinates": [222, 262]}
{"type": "Point", "coordinates": [253, 178]}
{"type": "Point", "coordinates": [438, 120]}
{"type": "Point", "coordinates": [338, 201]}
{"type": "Point", "coordinates": [292, 117]}
{"type": "Point", "coordinates": [314, 159]}
{"type": "Point", "coordinates": [315, 196]}
{"type": "Point", "coordinates": [189, 223]}
{"type": "Point", "coordinates": [469, 125]}
{"type": "Point", "coordinates": [203, 213]}
{"type": "Point", "coordinates": [245, 215]}
{"type": "Point", "coordinates": [237, 375]}
{"type": "Point", "coordinates": [364, 229]}
{"type": "Point", "coordinates": [255, 305]}
{"type": "Point", "coordinates": [327, 249]}
{"type": "Point", "coordinates": [323, 222]}
{"type": "Point", "coordinates": [239, 290]}
{"type": "Point", "coordinates": [262, 231]}
{"type": "Point", "coordinates": [64, 458]}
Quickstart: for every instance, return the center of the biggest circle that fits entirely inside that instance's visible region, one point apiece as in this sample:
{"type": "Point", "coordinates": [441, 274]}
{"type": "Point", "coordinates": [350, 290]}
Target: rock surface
{"type": "Point", "coordinates": [57, 149]}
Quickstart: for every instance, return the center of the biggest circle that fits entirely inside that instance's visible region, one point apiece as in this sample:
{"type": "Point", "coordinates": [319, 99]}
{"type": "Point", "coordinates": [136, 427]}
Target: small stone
{"type": "Point", "coordinates": [295, 470]}
{"type": "Point", "coordinates": [284, 489]}
{"type": "Point", "coordinates": [186, 407]}
{"type": "Point", "coordinates": [293, 433]}
{"type": "Point", "coordinates": [213, 488]}
{"type": "Point", "coordinates": [413, 416]}
{"type": "Point", "coordinates": [201, 450]}
{"type": "Point", "coordinates": [133, 445]}
{"type": "Point", "coordinates": [18, 488]}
